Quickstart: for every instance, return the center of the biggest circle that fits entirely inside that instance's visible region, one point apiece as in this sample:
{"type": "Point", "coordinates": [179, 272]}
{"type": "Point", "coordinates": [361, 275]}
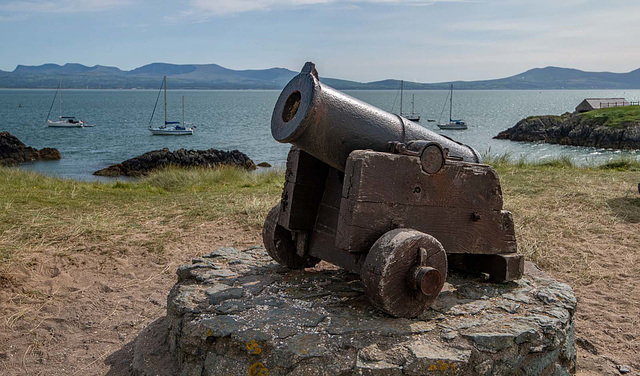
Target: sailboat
{"type": "Point", "coordinates": [412, 116]}
{"type": "Point", "coordinates": [452, 124]}
{"type": "Point", "coordinates": [63, 121]}
{"type": "Point", "coordinates": [169, 128]}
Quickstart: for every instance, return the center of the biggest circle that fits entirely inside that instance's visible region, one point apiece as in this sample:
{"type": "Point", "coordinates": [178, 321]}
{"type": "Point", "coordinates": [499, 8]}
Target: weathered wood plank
{"type": "Point", "coordinates": [322, 245]}
{"type": "Point", "coordinates": [303, 189]}
{"type": "Point", "coordinates": [329, 209]}
{"type": "Point", "coordinates": [384, 177]}
{"type": "Point", "coordinates": [461, 205]}
{"type": "Point", "coordinates": [302, 168]}
{"type": "Point", "coordinates": [453, 227]}
{"type": "Point", "coordinates": [322, 239]}
{"type": "Point", "coordinates": [501, 268]}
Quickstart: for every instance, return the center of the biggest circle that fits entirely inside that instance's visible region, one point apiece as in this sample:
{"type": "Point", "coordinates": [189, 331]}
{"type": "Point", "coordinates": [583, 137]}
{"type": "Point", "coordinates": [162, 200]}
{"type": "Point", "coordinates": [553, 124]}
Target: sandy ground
{"type": "Point", "coordinates": [65, 314]}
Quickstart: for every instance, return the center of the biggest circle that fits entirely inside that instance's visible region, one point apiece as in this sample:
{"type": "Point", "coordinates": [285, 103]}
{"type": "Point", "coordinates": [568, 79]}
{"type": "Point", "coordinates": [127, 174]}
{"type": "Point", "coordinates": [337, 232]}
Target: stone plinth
{"type": "Point", "coordinates": [239, 313]}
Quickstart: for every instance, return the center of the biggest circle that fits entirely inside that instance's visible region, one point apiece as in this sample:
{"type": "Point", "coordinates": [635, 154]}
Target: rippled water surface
{"type": "Point", "coordinates": [240, 120]}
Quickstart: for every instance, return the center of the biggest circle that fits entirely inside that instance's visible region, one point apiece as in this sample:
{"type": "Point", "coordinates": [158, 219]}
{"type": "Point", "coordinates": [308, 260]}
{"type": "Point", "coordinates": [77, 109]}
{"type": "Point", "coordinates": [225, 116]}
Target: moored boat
{"type": "Point", "coordinates": [454, 124]}
{"type": "Point", "coordinates": [413, 116]}
{"type": "Point", "coordinates": [63, 121]}
{"type": "Point", "coordinates": [169, 128]}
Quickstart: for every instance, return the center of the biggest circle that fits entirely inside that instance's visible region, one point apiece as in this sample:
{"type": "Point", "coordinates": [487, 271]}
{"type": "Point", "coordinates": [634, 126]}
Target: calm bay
{"type": "Point", "coordinates": [232, 119]}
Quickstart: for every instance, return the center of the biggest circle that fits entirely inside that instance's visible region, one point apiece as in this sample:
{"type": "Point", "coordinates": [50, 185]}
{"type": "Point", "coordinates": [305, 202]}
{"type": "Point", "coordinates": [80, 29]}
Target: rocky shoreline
{"type": "Point", "coordinates": [157, 159]}
{"type": "Point", "coordinates": [573, 129]}
{"type": "Point", "coordinates": [14, 152]}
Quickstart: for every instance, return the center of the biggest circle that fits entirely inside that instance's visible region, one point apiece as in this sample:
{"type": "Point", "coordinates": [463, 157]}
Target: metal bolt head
{"type": "Point", "coordinates": [432, 158]}
{"type": "Point", "coordinates": [428, 280]}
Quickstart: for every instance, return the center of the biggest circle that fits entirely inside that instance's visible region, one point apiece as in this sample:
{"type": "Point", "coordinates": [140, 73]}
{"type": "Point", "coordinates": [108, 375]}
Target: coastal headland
{"type": "Point", "coordinates": [611, 128]}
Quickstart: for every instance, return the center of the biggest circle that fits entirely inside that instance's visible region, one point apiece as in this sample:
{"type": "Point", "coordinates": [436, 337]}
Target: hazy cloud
{"type": "Point", "coordinates": [60, 6]}
{"type": "Point", "coordinates": [223, 7]}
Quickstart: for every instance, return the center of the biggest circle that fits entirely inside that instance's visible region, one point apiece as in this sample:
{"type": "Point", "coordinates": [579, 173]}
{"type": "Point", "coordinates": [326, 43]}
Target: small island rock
{"type": "Point", "coordinates": [157, 159]}
{"type": "Point", "coordinates": [13, 151]}
{"type": "Point", "coordinates": [573, 129]}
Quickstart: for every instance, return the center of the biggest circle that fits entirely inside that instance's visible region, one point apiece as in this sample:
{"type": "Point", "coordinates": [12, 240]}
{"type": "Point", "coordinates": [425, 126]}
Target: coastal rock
{"type": "Point", "coordinates": [262, 318]}
{"type": "Point", "coordinates": [157, 159]}
{"type": "Point", "coordinates": [13, 151]}
{"type": "Point", "coordinates": [573, 129]}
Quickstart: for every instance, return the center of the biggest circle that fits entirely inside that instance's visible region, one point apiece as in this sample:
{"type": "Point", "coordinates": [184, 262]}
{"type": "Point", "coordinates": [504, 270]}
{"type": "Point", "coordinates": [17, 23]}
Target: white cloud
{"type": "Point", "coordinates": [203, 8]}
{"type": "Point", "coordinates": [220, 7]}
{"type": "Point", "coordinates": [61, 6]}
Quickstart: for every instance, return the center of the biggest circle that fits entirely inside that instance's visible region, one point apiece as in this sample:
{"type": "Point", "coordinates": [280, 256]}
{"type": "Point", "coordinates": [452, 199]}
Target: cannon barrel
{"type": "Point", "coordinates": [329, 124]}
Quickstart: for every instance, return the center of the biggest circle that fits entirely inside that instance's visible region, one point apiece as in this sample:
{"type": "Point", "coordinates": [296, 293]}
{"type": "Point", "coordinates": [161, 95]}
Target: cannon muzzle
{"type": "Point", "coordinates": [329, 124]}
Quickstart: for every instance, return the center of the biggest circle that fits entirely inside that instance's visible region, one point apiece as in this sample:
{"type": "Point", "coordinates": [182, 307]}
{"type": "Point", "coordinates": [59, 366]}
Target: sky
{"type": "Point", "coordinates": [360, 40]}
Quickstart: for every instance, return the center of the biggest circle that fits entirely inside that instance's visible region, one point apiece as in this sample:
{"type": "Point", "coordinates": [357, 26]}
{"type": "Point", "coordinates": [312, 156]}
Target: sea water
{"type": "Point", "coordinates": [240, 119]}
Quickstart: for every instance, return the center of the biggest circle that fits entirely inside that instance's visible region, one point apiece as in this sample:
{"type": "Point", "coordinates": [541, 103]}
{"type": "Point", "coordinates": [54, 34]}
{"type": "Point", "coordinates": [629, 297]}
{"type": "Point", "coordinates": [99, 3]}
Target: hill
{"type": "Point", "coordinates": [560, 78]}
{"type": "Point", "coordinates": [214, 76]}
{"type": "Point", "coordinates": [191, 76]}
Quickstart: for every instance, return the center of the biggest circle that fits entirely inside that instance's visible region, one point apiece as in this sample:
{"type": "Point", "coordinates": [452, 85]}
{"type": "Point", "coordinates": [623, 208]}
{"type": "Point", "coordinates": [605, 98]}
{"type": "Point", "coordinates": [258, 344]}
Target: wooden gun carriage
{"type": "Point", "coordinates": [384, 197]}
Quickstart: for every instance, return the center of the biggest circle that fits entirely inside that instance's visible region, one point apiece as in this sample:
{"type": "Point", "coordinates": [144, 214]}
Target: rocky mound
{"type": "Point", "coordinates": [237, 313]}
{"type": "Point", "coordinates": [156, 159]}
{"type": "Point", "coordinates": [13, 151]}
{"type": "Point", "coordinates": [573, 129]}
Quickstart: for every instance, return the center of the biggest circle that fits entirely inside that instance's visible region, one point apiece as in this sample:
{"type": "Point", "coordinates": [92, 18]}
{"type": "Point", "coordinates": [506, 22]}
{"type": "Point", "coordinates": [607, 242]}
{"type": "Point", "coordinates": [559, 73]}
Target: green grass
{"type": "Point", "coordinates": [614, 117]}
{"type": "Point", "coordinates": [621, 164]}
{"type": "Point", "coordinates": [506, 159]}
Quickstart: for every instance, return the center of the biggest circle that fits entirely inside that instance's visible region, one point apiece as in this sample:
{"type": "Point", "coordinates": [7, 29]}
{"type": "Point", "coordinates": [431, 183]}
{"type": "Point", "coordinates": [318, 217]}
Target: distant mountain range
{"type": "Point", "coordinates": [213, 76]}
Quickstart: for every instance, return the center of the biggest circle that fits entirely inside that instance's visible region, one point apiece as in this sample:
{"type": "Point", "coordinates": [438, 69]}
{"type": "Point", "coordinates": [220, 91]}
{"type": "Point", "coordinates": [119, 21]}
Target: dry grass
{"type": "Point", "coordinates": [582, 225]}
{"type": "Point", "coordinates": [38, 212]}
{"type": "Point", "coordinates": [562, 212]}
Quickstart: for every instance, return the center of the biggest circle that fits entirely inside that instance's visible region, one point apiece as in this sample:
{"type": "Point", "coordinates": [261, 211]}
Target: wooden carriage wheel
{"type": "Point", "coordinates": [280, 245]}
{"type": "Point", "coordinates": [404, 272]}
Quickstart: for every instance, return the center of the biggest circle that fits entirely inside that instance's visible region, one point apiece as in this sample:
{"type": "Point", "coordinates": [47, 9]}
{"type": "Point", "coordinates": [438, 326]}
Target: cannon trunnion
{"type": "Point", "coordinates": [399, 215]}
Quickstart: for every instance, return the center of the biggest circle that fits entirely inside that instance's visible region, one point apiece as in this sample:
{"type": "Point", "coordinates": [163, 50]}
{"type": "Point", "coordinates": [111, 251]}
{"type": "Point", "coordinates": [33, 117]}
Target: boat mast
{"type": "Point", "coordinates": [450, 103]}
{"type": "Point", "coordinates": [413, 97]}
{"type": "Point", "coordinates": [182, 124]}
{"type": "Point", "coordinates": [401, 91]}
{"type": "Point", "coordinates": [164, 83]}
{"type": "Point", "coordinates": [53, 102]}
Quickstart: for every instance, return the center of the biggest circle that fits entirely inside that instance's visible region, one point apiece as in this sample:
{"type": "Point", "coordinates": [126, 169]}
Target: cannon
{"type": "Point", "coordinates": [378, 195]}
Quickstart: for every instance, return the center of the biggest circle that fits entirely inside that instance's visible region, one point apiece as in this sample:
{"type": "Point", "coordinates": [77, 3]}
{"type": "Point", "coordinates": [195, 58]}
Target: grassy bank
{"type": "Point", "coordinates": [38, 212]}
{"type": "Point", "coordinates": [553, 202]}
{"type": "Point", "coordinates": [614, 117]}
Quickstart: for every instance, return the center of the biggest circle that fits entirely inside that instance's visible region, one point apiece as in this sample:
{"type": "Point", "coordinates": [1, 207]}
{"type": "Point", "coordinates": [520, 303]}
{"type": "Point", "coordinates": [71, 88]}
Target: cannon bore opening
{"type": "Point", "coordinates": [291, 106]}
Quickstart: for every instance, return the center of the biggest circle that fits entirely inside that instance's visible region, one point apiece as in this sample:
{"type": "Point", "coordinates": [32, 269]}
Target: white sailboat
{"type": "Point", "coordinates": [63, 121]}
{"type": "Point", "coordinates": [169, 128]}
{"type": "Point", "coordinates": [412, 116]}
{"type": "Point", "coordinates": [452, 124]}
